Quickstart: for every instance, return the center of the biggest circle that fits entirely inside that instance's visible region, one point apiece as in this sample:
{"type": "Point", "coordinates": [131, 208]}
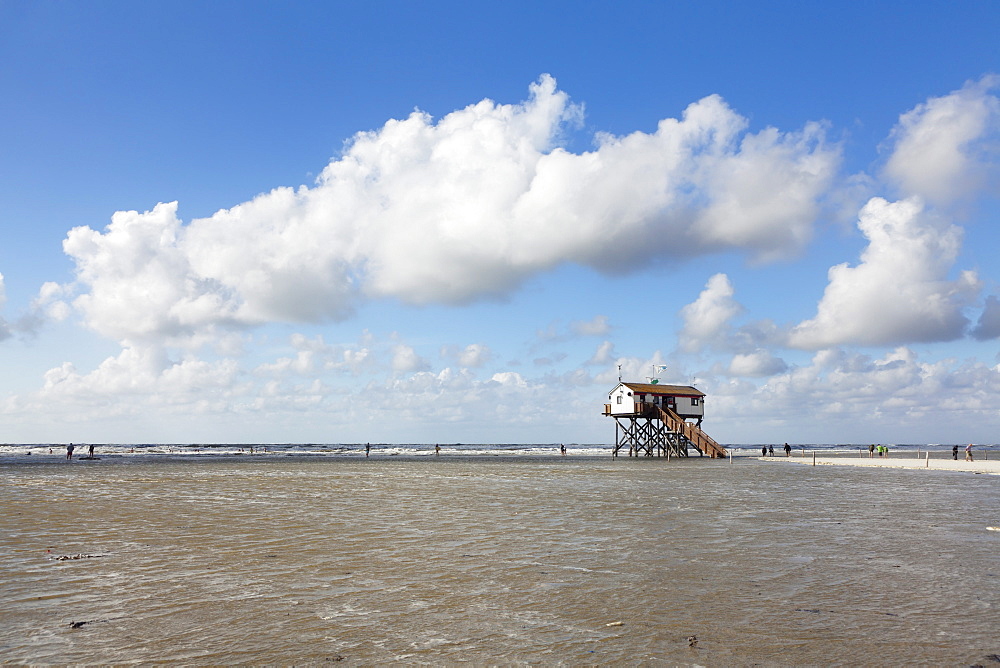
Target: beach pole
{"type": "Point", "coordinates": [927, 460]}
{"type": "Point", "coordinates": [730, 455]}
{"type": "Point", "coordinates": [814, 459]}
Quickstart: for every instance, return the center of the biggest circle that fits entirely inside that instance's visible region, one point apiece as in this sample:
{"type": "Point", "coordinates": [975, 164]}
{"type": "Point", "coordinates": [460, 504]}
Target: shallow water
{"type": "Point", "coordinates": [496, 560]}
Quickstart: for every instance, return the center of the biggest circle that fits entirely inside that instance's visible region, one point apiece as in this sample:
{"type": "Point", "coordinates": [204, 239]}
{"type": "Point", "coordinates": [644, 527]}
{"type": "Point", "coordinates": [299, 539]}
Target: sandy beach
{"type": "Point", "coordinates": [930, 464]}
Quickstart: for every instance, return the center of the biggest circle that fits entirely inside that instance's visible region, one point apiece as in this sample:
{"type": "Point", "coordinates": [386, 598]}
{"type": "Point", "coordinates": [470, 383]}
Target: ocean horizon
{"type": "Point", "coordinates": [10, 451]}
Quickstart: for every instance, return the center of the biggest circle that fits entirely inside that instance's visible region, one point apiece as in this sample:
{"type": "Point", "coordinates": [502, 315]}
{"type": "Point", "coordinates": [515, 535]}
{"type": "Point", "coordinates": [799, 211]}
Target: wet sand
{"type": "Point", "coordinates": [513, 561]}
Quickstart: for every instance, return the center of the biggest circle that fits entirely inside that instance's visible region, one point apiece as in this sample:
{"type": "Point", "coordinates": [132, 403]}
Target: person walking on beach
{"type": "Point", "coordinates": [437, 449]}
{"type": "Point", "coordinates": [788, 450]}
{"type": "Point", "coordinates": [968, 452]}
{"type": "Point", "coordinates": [954, 453]}
{"type": "Point", "coordinates": [69, 451]}
{"type": "Point", "coordinates": [562, 449]}
{"type": "Point", "coordinates": [763, 451]}
{"type": "Point", "coordinates": [368, 448]}
{"type": "Point", "coordinates": [871, 451]}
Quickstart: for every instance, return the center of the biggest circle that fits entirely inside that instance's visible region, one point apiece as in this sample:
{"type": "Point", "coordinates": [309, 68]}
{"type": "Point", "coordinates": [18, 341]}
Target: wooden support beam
{"type": "Point", "coordinates": [655, 431]}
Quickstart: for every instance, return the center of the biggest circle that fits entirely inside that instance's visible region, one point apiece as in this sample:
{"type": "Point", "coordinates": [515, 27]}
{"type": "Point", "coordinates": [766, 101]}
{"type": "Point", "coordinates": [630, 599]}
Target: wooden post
{"type": "Point", "coordinates": [814, 459]}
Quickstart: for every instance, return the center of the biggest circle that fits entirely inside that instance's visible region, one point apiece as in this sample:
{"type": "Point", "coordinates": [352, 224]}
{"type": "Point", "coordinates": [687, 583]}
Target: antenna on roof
{"type": "Point", "coordinates": [657, 368]}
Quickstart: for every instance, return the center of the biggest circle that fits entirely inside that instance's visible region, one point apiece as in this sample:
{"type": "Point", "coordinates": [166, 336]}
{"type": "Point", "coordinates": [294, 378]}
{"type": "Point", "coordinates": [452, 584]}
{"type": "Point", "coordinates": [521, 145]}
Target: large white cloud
{"type": "Point", "coordinates": [900, 291]}
{"type": "Point", "coordinates": [457, 210]}
{"type": "Point", "coordinates": [938, 152]}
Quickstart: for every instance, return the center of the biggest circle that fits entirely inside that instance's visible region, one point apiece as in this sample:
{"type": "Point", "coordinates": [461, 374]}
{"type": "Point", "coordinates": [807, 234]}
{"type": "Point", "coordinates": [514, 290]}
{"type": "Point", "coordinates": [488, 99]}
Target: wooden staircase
{"type": "Point", "coordinates": [704, 443]}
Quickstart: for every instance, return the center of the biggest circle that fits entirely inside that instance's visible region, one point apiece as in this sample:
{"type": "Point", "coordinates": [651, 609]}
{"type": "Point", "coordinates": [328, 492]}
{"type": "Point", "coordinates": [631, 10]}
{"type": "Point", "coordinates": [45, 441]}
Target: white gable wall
{"type": "Point", "coordinates": [622, 400]}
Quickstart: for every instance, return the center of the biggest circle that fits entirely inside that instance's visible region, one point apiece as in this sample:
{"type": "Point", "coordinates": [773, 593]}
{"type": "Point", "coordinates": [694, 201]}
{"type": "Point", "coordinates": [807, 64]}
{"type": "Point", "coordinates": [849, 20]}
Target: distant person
{"type": "Point", "coordinates": [90, 451]}
{"type": "Point", "coordinates": [368, 448]}
{"type": "Point", "coordinates": [763, 451]}
{"type": "Point", "coordinates": [562, 449]}
{"type": "Point", "coordinates": [770, 451]}
{"type": "Point", "coordinates": [954, 452]}
{"type": "Point", "coordinates": [788, 450]}
{"type": "Point", "coordinates": [437, 449]}
{"type": "Point", "coordinates": [69, 451]}
{"type": "Point", "coordinates": [968, 452]}
{"type": "Point", "coordinates": [871, 451]}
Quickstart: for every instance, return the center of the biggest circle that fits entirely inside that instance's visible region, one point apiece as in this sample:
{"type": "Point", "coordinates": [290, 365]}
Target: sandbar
{"type": "Point", "coordinates": [979, 466]}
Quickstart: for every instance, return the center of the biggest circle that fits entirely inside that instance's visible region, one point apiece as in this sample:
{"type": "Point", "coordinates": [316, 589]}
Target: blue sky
{"type": "Point", "coordinates": [443, 222]}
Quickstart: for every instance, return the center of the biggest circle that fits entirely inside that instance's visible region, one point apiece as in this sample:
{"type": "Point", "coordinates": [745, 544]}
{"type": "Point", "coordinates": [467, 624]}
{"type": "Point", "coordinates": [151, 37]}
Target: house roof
{"type": "Point", "coordinates": [676, 390]}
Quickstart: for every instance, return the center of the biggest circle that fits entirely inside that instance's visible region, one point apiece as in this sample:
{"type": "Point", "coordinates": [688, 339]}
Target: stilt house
{"type": "Point", "coordinates": [659, 420]}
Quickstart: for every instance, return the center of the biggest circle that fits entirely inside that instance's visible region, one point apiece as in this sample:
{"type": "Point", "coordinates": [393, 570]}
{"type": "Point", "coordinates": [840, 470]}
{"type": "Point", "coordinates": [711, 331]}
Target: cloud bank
{"type": "Point", "coordinates": [469, 206]}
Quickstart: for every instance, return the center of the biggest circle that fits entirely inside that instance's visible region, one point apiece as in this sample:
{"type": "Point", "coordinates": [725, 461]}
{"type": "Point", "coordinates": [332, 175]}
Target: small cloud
{"type": "Point", "coordinates": [937, 151]}
{"type": "Point", "coordinates": [509, 379]}
{"type": "Point", "coordinates": [758, 364]}
{"type": "Point", "coordinates": [605, 354]}
{"type": "Point", "coordinates": [549, 360]}
{"type": "Point", "coordinates": [988, 326]}
{"type": "Point", "coordinates": [707, 319]}
{"type": "Point", "coordinates": [472, 356]}
{"type": "Point", "coordinates": [406, 360]}
{"type": "Point", "coordinates": [598, 326]}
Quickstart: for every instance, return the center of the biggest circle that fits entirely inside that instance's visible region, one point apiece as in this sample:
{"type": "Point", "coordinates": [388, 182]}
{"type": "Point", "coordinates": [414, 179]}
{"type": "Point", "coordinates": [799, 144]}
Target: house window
{"type": "Point", "coordinates": [694, 401]}
{"type": "Point", "coordinates": [619, 398]}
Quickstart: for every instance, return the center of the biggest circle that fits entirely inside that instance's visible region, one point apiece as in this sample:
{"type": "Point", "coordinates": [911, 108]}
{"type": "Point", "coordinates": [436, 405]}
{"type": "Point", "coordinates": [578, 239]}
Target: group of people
{"type": "Point", "coordinates": [880, 450]}
{"type": "Point", "coordinates": [70, 448]}
{"type": "Point", "coordinates": [768, 450]}
{"type": "Point", "coordinates": [968, 453]}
